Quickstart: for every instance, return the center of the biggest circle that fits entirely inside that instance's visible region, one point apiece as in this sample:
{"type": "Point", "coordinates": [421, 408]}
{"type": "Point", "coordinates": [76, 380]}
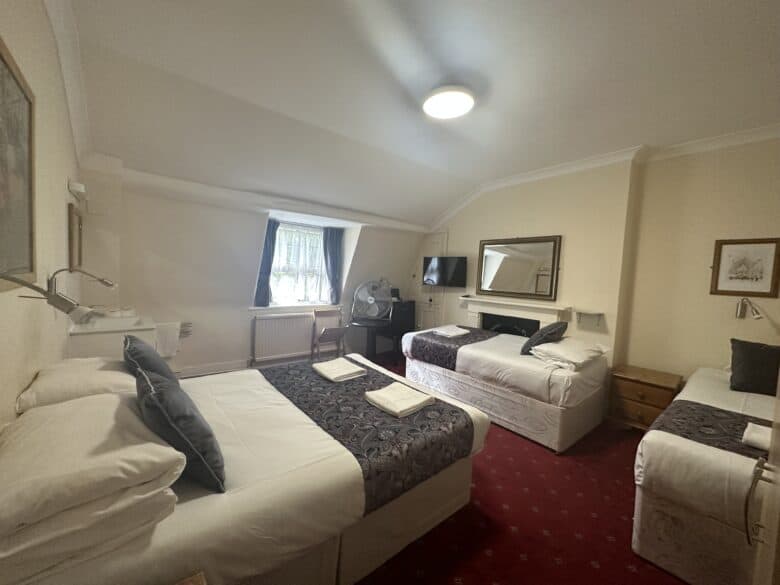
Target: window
{"type": "Point", "coordinates": [298, 273]}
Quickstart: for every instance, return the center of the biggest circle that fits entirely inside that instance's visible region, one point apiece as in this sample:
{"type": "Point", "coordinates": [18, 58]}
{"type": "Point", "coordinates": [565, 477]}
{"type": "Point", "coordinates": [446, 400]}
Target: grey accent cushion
{"type": "Point", "coordinates": [172, 415]}
{"type": "Point", "coordinates": [754, 367]}
{"type": "Point", "coordinates": [139, 355]}
{"type": "Point", "coordinates": [548, 334]}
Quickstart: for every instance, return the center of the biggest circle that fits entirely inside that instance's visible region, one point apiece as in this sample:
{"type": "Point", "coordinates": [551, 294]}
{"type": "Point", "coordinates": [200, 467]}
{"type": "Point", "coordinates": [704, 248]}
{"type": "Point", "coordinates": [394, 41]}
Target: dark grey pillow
{"type": "Point", "coordinates": [550, 333]}
{"type": "Point", "coordinates": [168, 411]}
{"type": "Point", "coordinates": [139, 355]}
{"type": "Point", "coordinates": [754, 367]}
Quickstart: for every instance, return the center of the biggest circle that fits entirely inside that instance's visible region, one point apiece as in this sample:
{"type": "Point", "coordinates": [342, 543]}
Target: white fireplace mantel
{"type": "Point", "coordinates": [545, 313]}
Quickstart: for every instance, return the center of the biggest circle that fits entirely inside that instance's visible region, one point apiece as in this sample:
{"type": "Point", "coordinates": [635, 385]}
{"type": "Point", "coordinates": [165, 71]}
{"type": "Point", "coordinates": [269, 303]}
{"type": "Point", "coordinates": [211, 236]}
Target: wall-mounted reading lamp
{"type": "Point", "coordinates": [77, 313]}
{"type": "Point", "coordinates": [743, 305]}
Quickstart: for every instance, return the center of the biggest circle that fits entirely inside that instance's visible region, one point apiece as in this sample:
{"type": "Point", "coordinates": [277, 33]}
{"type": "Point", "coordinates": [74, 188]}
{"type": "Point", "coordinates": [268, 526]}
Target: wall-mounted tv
{"type": "Point", "coordinates": [444, 270]}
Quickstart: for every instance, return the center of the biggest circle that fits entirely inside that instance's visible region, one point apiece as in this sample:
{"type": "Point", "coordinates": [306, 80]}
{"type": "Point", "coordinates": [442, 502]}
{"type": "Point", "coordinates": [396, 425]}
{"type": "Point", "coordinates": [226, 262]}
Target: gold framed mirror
{"type": "Point", "coordinates": [519, 267]}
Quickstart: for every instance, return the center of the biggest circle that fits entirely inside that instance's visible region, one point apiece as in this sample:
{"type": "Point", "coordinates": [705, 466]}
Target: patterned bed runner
{"type": "Point", "coordinates": [395, 454]}
{"type": "Point", "coordinates": [443, 351]}
{"type": "Point", "coordinates": [709, 425]}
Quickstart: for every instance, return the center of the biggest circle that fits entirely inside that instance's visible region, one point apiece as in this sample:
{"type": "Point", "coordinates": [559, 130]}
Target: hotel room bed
{"type": "Point", "coordinates": [294, 510]}
{"type": "Point", "coordinates": [693, 480]}
{"type": "Point", "coordinates": [552, 405]}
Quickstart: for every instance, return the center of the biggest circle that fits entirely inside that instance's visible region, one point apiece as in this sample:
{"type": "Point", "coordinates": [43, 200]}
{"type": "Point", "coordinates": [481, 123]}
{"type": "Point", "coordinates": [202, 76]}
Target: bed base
{"type": "Point", "coordinates": [695, 548]}
{"type": "Point", "coordinates": [365, 546]}
{"type": "Point", "coordinates": [553, 426]}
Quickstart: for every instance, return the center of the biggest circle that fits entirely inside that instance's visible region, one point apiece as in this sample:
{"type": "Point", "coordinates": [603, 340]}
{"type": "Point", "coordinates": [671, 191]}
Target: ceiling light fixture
{"type": "Point", "coordinates": [449, 101]}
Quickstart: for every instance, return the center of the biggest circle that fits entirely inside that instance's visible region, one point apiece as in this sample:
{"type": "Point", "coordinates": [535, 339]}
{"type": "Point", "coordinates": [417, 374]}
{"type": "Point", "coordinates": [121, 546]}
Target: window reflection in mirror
{"type": "Point", "coordinates": [519, 267]}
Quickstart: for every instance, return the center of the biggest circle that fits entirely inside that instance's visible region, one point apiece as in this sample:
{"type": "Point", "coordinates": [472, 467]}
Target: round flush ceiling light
{"type": "Point", "coordinates": [450, 101]}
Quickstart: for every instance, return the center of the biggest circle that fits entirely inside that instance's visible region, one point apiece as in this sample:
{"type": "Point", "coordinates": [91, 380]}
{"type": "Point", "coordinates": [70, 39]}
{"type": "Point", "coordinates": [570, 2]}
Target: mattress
{"type": "Point", "coordinates": [290, 486]}
{"type": "Point", "coordinates": [498, 361]}
{"type": "Point", "coordinates": [704, 479]}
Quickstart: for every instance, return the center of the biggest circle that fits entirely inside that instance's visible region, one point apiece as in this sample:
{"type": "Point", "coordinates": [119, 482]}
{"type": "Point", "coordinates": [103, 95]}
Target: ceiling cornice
{"type": "Point", "coordinates": [192, 192]}
{"type": "Point", "coordinates": [717, 142]}
{"type": "Point", "coordinates": [592, 162]}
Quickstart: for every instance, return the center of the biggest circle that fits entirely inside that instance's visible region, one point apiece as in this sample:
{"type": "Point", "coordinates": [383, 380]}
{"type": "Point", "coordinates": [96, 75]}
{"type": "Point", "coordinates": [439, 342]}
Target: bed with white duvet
{"type": "Point", "coordinates": [690, 495]}
{"type": "Point", "coordinates": [293, 510]}
{"type": "Point", "coordinates": [552, 403]}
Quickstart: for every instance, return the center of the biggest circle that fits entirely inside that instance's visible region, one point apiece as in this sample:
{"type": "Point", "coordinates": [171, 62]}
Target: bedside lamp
{"type": "Point", "coordinates": [77, 313]}
{"type": "Point", "coordinates": [743, 305]}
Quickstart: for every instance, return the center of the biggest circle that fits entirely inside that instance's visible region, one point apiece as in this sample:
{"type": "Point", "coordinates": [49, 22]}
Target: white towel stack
{"type": "Point", "coordinates": [339, 370]}
{"type": "Point", "coordinates": [399, 400]}
{"type": "Point", "coordinates": [757, 436]}
{"type": "Point", "coordinates": [450, 331]}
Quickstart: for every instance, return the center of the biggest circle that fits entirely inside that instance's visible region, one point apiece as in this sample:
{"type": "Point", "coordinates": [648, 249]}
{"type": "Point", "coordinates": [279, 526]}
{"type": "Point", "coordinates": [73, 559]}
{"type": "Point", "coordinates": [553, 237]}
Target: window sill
{"type": "Point", "coordinates": [289, 309]}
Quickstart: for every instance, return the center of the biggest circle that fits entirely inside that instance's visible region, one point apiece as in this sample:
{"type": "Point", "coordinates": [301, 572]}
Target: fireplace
{"type": "Point", "coordinates": [511, 325]}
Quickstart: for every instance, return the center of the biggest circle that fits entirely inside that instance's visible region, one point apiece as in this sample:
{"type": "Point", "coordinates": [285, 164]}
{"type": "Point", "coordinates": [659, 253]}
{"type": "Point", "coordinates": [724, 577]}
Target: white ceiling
{"type": "Point", "coordinates": [319, 99]}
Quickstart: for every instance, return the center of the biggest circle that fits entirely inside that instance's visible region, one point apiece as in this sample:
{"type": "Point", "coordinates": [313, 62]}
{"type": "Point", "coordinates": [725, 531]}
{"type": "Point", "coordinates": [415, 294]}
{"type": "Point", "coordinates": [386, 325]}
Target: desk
{"type": "Point", "coordinates": [401, 321]}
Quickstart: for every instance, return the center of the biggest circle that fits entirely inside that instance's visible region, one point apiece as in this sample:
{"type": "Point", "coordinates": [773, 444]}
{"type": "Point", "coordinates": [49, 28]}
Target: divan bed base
{"type": "Point", "coordinates": [364, 546]}
{"type": "Point", "coordinates": [553, 426]}
{"type": "Point", "coordinates": [697, 549]}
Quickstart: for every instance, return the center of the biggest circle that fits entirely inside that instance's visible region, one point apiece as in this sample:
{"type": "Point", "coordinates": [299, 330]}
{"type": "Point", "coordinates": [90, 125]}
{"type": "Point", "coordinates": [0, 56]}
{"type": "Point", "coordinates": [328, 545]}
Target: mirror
{"type": "Point", "coordinates": [519, 267]}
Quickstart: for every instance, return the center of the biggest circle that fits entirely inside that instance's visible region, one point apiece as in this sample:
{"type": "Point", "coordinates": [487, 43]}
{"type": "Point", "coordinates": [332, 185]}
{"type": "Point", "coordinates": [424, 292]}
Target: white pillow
{"type": "Point", "coordinates": [568, 353]}
{"type": "Point", "coordinates": [76, 378]}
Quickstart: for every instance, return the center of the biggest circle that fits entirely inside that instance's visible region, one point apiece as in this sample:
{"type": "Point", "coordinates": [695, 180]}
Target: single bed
{"type": "Point", "coordinates": [693, 481]}
{"type": "Point", "coordinates": [294, 509]}
{"type": "Point", "coordinates": [551, 405]}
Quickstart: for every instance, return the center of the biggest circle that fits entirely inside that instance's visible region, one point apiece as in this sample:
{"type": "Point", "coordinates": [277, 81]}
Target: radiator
{"type": "Point", "coordinates": [284, 336]}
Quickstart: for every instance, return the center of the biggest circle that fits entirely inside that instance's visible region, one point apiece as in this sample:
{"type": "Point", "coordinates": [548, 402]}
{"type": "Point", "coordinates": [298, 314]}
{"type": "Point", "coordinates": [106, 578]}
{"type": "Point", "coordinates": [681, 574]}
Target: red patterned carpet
{"type": "Point", "coordinates": [536, 518]}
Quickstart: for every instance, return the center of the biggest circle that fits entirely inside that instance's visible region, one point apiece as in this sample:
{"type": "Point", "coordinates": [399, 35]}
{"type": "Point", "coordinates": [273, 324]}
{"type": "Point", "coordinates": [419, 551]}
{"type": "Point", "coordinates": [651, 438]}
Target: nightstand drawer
{"type": "Point", "coordinates": [635, 412]}
{"type": "Point", "coordinates": [637, 392]}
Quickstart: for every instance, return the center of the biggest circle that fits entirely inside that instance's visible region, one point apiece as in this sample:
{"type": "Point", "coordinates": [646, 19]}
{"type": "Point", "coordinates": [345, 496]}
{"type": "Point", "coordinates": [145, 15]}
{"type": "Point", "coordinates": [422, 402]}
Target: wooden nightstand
{"type": "Point", "coordinates": [639, 395]}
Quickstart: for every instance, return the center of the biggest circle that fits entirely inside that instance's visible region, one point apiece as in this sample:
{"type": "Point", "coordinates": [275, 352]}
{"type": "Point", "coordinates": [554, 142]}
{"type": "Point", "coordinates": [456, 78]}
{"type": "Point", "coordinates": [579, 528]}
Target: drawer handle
{"type": "Point", "coordinates": [641, 395]}
{"type": "Point", "coordinates": [639, 416]}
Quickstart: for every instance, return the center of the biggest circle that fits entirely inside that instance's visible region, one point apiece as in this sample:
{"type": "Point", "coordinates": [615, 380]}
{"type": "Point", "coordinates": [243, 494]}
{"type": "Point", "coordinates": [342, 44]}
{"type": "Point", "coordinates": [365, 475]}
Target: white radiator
{"type": "Point", "coordinates": [284, 336]}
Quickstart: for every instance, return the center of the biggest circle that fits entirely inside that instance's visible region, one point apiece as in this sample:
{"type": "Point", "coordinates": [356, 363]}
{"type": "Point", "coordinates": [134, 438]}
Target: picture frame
{"type": "Point", "coordinates": [75, 243]}
{"type": "Point", "coordinates": [746, 268]}
{"type": "Point", "coordinates": [17, 172]}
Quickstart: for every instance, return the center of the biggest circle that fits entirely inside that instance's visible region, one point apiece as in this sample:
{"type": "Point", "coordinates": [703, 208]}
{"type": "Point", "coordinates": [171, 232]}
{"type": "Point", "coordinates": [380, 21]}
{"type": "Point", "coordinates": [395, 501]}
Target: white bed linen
{"type": "Point", "coordinates": [75, 475]}
{"type": "Point", "coordinates": [290, 486]}
{"type": "Point", "coordinates": [710, 481]}
{"type": "Point", "coordinates": [498, 361]}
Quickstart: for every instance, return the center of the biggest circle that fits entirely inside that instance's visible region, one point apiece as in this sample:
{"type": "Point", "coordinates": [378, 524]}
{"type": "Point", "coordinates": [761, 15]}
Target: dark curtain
{"type": "Point", "coordinates": [263, 292]}
{"type": "Point", "coordinates": [332, 248]}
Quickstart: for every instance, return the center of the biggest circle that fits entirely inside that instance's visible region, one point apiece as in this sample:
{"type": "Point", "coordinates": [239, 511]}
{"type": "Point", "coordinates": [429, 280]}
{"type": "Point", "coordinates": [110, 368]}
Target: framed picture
{"type": "Point", "coordinates": [746, 268]}
{"type": "Point", "coordinates": [75, 245]}
{"type": "Point", "coordinates": [17, 189]}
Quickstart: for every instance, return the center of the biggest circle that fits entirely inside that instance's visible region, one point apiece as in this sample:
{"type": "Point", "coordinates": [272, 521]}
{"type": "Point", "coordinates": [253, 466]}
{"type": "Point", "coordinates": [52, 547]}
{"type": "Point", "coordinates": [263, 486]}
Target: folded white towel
{"type": "Point", "coordinates": [399, 400]}
{"type": "Point", "coordinates": [450, 331]}
{"type": "Point", "coordinates": [757, 436]}
{"type": "Point", "coordinates": [339, 370]}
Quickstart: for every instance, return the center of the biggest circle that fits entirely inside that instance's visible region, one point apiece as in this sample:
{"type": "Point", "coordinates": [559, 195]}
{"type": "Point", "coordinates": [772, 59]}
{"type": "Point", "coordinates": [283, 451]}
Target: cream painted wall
{"type": "Point", "coordinates": [185, 261]}
{"type": "Point", "coordinates": [688, 202]}
{"type": "Point", "coordinates": [587, 208]}
{"type": "Point", "coordinates": [379, 253]}
{"type": "Point", "coordinates": [33, 333]}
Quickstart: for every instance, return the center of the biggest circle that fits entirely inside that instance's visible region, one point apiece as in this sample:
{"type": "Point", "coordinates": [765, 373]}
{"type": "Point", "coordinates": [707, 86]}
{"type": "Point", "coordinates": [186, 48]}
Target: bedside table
{"type": "Point", "coordinates": [639, 395]}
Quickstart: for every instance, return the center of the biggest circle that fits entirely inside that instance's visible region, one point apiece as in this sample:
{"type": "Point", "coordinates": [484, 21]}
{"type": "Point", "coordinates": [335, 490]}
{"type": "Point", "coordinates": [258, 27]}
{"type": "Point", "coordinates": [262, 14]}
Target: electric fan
{"type": "Point", "coordinates": [373, 300]}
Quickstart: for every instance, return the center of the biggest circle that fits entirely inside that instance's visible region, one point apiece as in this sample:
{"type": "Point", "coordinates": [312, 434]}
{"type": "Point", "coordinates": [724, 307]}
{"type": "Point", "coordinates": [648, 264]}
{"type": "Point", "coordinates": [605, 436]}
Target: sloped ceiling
{"type": "Point", "coordinates": [320, 99]}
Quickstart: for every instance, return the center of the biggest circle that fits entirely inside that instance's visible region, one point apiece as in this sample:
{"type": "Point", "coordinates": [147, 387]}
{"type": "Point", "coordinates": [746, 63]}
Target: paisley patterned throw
{"type": "Point", "coordinates": [443, 351]}
{"type": "Point", "coordinates": [709, 425]}
{"type": "Point", "coordinates": [395, 454]}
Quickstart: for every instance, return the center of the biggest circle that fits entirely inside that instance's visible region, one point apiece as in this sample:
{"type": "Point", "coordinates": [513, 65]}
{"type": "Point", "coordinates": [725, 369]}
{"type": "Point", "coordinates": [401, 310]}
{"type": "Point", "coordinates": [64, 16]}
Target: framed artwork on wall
{"type": "Point", "coordinates": [746, 268]}
{"type": "Point", "coordinates": [17, 189]}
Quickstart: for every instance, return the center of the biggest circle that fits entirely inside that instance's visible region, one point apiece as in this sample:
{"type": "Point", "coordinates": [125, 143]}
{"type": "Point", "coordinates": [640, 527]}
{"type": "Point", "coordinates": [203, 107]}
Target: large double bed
{"type": "Point", "coordinates": [551, 405]}
{"type": "Point", "coordinates": [302, 505]}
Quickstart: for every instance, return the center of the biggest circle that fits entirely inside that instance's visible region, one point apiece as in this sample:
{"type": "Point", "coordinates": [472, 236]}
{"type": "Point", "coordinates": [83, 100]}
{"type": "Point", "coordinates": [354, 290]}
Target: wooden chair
{"type": "Point", "coordinates": [327, 335]}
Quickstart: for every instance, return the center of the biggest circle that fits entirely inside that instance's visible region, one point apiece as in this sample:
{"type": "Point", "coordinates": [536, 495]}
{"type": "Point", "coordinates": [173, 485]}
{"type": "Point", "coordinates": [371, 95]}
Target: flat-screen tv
{"type": "Point", "coordinates": [444, 270]}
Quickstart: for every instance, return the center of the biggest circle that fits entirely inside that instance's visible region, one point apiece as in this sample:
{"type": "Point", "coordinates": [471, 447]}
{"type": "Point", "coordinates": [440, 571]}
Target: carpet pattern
{"type": "Point", "coordinates": [536, 518]}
